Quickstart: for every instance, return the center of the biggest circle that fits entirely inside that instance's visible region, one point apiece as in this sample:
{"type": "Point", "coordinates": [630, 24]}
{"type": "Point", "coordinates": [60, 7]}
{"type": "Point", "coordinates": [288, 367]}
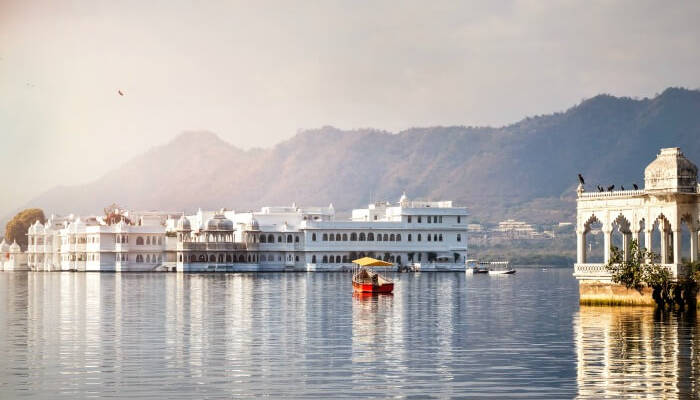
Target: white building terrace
{"type": "Point", "coordinates": [427, 235]}
{"type": "Point", "coordinates": [657, 216]}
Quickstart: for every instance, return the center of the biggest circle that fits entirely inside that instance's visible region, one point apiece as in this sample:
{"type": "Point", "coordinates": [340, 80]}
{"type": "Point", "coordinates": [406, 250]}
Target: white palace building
{"type": "Point", "coordinates": [430, 236]}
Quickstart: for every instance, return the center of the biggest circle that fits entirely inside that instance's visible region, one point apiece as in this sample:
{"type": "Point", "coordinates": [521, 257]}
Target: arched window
{"type": "Point", "coordinates": [221, 258]}
{"type": "Point", "coordinates": [337, 237]}
{"type": "Point", "coordinates": [193, 258]}
{"type": "Point", "coordinates": [139, 258]}
{"type": "Point", "coordinates": [362, 236]}
{"type": "Point", "coordinates": [370, 237]}
{"type": "Point", "coordinates": [270, 238]}
{"type": "Point", "coordinates": [296, 239]}
{"type": "Point", "coordinates": [419, 238]}
{"type": "Point", "coordinates": [289, 238]}
{"type": "Point", "coordinates": [325, 237]}
{"type": "Point", "coordinates": [440, 237]}
{"type": "Point", "coordinates": [296, 258]}
{"type": "Point", "coordinates": [212, 258]}
{"type": "Point", "coordinates": [410, 237]}
{"type": "Point", "coordinates": [379, 237]}
{"type": "Point", "coordinates": [202, 258]}
{"type": "Point", "coordinates": [148, 240]}
{"type": "Point", "coordinates": [160, 241]}
{"type": "Point", "coordinates": [180, 258]}
{"type": "Point", "coordinates": [313, 237]}
{"type": "Point", "coordinates": [345, 237]}
{"type": "Point", "coordinates": [228, 258]}
{"type": "Point", "coordinates": [459, 237]}
{"type": "Point", "coordinates": [398, 237]}
{"type": "Point", "coordinates": [435, 237]}
{"type": "Point", "coordinates": [148, 258]}
{"type": "Point", "coordinates": [263, 239]}
{"type": "Point", "coordinates": [331, 259]}
{"type": "Point", "coordinates": [429, 237]}
{"type": "Point", "coordinates": [313, 259]}
{"type": "Point", "coordinates": [392, 237]}
{"type": "Point", "coordinates": [386, 237]}
{"type": "Point", "coordinates": [139, 241]}
{"type": "Point", "coordinates": [241, 258]}
{"type": "Point", "coordinates": [419, 219]}
{"type": "Point", "coordinates": [353, 237]}
{"type": "Point", "coordinates": [430, 219]}
{"type": "Point", "coordinates": [345, 258]}
{"type": "Point", "coordinates": [331, 237]}
{"type": "Point", "coordinates": [325, 259]}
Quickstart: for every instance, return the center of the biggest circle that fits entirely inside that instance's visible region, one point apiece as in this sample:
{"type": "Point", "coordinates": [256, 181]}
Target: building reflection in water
{"type": "Point", "coordinates": [639, 352]}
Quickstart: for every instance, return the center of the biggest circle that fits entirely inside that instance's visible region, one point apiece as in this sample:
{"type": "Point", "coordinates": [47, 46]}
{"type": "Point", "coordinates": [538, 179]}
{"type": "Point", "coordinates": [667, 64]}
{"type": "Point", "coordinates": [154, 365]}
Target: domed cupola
{"type": "Point", "coordinates": [219, 223]}
{"type": "Point", "coordinates": [14, 247]}
{"type": "Point", "coordinates": [4, 247]}
{"type": "Point", "coordinates": [671, 172]}
{"type": "Point", "coordinates": [403, 198]}
{"type": "Point", "coordinates": [183, 224]}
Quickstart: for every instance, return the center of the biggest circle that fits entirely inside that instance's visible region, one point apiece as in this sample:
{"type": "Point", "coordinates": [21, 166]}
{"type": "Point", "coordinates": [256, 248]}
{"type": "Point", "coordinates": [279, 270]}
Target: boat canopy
{"type": "Point", "coordinates": [371, 262]}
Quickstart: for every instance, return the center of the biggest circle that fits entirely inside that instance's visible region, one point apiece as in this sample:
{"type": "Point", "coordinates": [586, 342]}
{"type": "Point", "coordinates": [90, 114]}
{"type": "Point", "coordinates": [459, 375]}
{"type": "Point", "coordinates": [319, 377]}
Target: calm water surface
{"type": "Point", "coordinates": [79, 335]}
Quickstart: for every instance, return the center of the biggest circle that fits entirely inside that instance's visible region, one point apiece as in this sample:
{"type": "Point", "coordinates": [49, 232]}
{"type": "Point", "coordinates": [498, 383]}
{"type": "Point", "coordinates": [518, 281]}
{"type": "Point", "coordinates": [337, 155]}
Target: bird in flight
{"type": "Point", "coordinates": [120, 92]}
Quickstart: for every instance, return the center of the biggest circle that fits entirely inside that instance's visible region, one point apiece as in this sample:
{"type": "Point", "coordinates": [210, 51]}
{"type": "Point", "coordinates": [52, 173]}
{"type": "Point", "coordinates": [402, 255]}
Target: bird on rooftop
{"type": "Point", "coordinates": [622, 187]}
{"type": "Point", "coordinates": [634, 185]}
{"type": "Point", "coordinates": [580, 180]}
{"type": "Point", "coordinates": [600, 188]}
{"type": "Point", "coordinates": [610, 188]}
{"type": "Point", "coordinates": [120, 92]}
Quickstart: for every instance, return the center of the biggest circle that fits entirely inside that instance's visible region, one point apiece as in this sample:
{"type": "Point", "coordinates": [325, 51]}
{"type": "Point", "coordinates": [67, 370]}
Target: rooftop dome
{"type": "Point", "coordinates": [4, 247]}
{"type": "Point", "coordinates": [183, 224]}
{"type": "Point", "coordinates": [14, 247]}
{"type": "Point", "coordinates": [403, 198]}
{"type": "Point", "coordinates": [219, 223]}
{"type": "Point", "coordinates": [671, 172]}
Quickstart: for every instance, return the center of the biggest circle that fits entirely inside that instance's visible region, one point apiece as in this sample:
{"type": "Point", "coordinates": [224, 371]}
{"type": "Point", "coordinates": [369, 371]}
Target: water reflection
{"type": "Point", "coordinates": [623, 351]}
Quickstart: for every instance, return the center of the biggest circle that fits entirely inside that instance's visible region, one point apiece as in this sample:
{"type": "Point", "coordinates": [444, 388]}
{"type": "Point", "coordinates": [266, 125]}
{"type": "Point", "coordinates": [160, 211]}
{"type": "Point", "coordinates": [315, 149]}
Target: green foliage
{"type": "Point", "coordinates": [16, 229]}
{"type": "Point", "coordinates": [634, 272]}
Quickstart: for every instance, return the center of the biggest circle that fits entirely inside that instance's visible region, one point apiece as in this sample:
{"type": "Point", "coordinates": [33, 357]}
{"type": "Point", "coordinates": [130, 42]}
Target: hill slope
{"type": "Point", "coordinates": [526, 170]}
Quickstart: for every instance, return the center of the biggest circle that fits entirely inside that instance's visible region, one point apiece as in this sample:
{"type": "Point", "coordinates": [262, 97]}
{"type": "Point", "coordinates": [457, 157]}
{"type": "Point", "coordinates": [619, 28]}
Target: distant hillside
{"type": "Point", "coordinates": [526, 170]}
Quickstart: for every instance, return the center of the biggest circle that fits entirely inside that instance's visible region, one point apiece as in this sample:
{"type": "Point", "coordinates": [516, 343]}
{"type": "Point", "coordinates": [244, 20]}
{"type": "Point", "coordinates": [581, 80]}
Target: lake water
{"type": "Point", "coordinates": [298, 335]}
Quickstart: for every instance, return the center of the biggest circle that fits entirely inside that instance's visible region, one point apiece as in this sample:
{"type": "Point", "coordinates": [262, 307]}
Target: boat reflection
{"type": "Point", "coordinates": [638, 352]}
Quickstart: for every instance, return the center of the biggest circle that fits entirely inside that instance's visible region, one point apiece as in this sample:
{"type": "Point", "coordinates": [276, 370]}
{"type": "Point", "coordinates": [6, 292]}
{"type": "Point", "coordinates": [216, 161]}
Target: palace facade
{"type": "Point", "coordinates": [430, 236]}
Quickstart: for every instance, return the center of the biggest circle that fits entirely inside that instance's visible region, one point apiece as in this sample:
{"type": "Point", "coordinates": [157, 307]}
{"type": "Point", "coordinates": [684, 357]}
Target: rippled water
{"type": "Point", "coordinates": [77, 335]}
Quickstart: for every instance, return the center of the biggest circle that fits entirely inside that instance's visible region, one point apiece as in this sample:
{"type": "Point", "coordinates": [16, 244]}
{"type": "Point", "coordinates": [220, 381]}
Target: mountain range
{"type": "Point", "coordinates": [526, 170]}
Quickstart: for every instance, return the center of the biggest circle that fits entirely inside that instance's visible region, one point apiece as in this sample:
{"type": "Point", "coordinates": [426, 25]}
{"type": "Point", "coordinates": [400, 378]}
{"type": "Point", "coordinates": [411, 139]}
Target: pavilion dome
{"type": "Point", "coordinates": [4, 247]}
{"type": "Point", "coordinates": [219, 223]}
{"type": "Point", "coordinates": [671, 172]}
{"type": "Point", "coordinates": [183, 224]}
{"type": "Point", "coordinates": [14, 247]}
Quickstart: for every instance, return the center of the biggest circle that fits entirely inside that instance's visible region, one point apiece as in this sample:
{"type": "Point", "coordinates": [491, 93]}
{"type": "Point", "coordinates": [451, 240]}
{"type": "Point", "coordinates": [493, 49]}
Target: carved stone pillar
{"type": "Point", "coordinates": [626, 241]}
{"type": "Point", "coordinates": [677, 246]}
{"type": "Point", "coordinates": [693, 245]}
{"type": "Point", "coordinates": [581, 247]}
{"type": "Point", "coordinates": [664, 245]}
{"type": "Point", "coordinates": [607, 242]}
{"type": "Point", "coordinates": [647, 242]}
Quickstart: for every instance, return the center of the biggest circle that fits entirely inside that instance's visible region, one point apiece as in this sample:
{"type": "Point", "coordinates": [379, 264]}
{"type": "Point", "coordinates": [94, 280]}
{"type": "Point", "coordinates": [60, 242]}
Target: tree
{"type": "Point", "coordinates": [16, 229]}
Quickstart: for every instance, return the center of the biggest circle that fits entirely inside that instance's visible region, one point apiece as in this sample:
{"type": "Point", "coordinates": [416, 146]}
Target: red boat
{"type": "Point", "coordinates": [364, 280]}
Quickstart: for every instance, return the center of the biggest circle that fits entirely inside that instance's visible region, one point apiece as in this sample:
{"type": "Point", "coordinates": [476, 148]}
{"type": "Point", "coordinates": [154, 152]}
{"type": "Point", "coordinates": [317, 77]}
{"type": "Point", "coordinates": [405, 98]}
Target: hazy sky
{"type": "Point", "coordinates": [256, 72]}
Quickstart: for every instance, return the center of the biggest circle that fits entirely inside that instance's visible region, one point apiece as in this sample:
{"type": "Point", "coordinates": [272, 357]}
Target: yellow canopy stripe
{"type": "Point", "coordinates": [371, 262]}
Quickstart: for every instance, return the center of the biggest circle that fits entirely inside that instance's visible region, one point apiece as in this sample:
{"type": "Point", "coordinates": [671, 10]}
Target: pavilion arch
{"type": "Point", "coordinates": [591, 241]}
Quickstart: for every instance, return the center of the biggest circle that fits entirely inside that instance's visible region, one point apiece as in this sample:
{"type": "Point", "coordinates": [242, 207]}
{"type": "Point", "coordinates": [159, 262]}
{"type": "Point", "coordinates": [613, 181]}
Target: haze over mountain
{"type": "Point", "coordinates": [525, 170]}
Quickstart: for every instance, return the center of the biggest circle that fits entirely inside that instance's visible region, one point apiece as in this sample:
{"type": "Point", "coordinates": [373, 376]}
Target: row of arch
{"type": "Point", "coordinates": [671, 244]}
{"type": "Point", "coordinates": [218, 258]}
{"type": "Point", "coordinates": [386, 237]}
{"type": "Point", "coordinates": [148, 241]}
{"type": "Point", "coordinates": [270, 238]}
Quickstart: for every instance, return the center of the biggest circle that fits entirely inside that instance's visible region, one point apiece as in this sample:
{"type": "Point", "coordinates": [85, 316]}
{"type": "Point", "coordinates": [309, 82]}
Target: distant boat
{"type": "Point", "coordinates": [365, 280]}
{"type": "Point", "coordinates": [490, 267]}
